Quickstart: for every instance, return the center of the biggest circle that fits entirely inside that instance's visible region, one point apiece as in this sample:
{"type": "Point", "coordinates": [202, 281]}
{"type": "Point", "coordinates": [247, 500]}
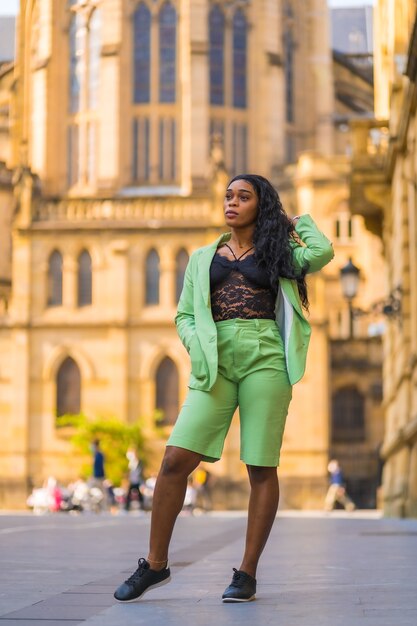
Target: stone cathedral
{"type": "Point", "coordinates": [126, 120]}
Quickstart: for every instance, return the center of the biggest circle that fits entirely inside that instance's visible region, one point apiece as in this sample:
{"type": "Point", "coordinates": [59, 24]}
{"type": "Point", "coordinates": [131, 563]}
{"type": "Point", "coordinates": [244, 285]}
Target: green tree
{"type": "Point", "coordinates": [115, 438]}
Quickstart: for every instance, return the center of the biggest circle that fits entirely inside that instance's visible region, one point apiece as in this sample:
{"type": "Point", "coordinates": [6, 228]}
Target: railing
{"type": "Point", "coordinates": [138, 210]}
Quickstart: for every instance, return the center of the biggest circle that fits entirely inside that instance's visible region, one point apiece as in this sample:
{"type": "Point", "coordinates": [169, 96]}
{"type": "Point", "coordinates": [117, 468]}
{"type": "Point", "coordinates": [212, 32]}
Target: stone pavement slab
{"type": "Point", "coordinates": [317, 570]}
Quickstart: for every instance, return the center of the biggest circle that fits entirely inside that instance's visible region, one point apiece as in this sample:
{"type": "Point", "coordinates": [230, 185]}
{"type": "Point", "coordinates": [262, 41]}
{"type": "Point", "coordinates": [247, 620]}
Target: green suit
{"type": "Point", "coordinates": [197, 329]}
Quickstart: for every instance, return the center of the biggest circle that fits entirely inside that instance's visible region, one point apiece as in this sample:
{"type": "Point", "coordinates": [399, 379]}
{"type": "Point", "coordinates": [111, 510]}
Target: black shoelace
{"type": "Point", "coordinates": [134, 578]}
{"type": "Point", "coordinates": [238, 579]}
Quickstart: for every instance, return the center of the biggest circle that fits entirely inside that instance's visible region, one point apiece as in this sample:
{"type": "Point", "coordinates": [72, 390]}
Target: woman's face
{"type": "Point", "coordinates": [240, 204]}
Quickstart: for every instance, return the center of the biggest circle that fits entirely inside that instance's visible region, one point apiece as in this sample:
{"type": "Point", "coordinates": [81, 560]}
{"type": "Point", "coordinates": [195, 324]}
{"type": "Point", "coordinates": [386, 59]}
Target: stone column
{"type": "Point", "coordinates": [266, 88]}
{"type": "Point", "coordinates": [16, 471]}
{"type": "Point", "coordinates": [321, 68]}
{"type": "Point", "coordinates": [195, 96]}
{"type": "Point", "coordinates": [109, 98]}
{"type": "Point", "coordinates": [117, 307]}
{"type": "Point", "coordinates": [167, 279]}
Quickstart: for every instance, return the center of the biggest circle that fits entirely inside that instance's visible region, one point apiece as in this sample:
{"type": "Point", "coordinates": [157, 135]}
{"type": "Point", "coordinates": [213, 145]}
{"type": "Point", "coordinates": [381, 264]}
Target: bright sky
{"type": "Point", "coordinates": [10, 7]}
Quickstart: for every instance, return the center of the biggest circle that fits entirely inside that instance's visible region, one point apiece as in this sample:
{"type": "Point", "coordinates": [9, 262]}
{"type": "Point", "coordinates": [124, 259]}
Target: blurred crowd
{"type": "Point", "coordinates": [98, 494]}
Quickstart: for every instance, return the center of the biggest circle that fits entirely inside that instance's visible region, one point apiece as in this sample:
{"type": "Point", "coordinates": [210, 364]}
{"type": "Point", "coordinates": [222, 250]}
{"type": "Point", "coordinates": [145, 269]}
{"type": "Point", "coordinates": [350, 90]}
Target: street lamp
{"type": "Point", "coordinates": [349, 278]}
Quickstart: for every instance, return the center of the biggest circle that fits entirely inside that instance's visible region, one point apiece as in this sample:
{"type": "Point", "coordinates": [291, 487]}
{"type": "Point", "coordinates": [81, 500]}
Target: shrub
{"type": "Point", "coordinates": [115, 438]}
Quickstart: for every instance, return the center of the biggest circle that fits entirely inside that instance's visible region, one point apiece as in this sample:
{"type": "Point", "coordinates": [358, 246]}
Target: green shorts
{"type": "Point", "coordinates": [252, 375]}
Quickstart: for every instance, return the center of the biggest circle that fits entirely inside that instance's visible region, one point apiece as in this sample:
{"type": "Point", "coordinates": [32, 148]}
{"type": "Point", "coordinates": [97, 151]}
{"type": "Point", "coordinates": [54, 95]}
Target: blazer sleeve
{"type": "Point", "coordinates": [317, 250]}
{"type": "Point", "coordinates": [184, 319]}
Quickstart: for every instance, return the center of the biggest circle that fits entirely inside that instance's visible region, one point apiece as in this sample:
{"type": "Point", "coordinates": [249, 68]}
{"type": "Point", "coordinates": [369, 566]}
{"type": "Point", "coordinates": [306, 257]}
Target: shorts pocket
{"type": "Point", "coordinates": [270, 340]}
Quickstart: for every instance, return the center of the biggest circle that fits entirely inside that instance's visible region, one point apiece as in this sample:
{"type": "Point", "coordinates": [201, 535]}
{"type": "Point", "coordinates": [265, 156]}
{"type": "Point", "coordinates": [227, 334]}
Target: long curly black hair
{"type": "Point", "coordinates": [273, 232]}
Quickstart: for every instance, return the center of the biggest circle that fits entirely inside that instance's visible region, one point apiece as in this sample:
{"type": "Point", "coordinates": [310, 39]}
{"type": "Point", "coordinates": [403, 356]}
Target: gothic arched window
{"type": "Point", "coordinates": [141, 149]}
{"type": "Point", "coordinates": [348, 415]}
{"type": "Point", "coordinates": [77, 45]}
{"type": "Point", "coordinates": [240, 35]}
{"type": "Point", "coordinates": [181, 262]}
{"type": "Point", "coordinates": [167, 391]}
{"type": "Point", "coordinates": [84, 87]}
{"type": "Point", "coordinates": [167, 52]}
{"type": "Point", "coordinates": [68, 388]}
{"type": "Point", "coordinates": [152, 278]}
{"type": "Point", "coordinates": [94, 45]}
{"type": "Point", "coordinates": [141, 54]}
{"type": "Point", "coordinates": [216, 37]}
{"type": "Point", "coordinates": [239, 148]}
{"type": "Point", "coordinates": [167, 166]}
{"type": "Point", "coordinates": [289, 75]}
{"type": "Point", "coordinates": [55, 279]}
{"type": "Point", "coordinates": [85, 284]}
{"type": "Point", "coordinates": [73, 154]}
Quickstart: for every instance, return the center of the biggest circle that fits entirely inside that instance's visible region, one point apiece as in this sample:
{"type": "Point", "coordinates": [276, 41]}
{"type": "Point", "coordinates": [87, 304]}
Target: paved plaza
{"type": "Point", "coordinates": [318, 570]}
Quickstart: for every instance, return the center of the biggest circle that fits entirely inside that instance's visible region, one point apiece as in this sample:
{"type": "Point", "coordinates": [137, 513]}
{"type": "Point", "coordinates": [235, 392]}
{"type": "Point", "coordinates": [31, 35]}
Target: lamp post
{"type": "Point", "coordinates": [349, 278]}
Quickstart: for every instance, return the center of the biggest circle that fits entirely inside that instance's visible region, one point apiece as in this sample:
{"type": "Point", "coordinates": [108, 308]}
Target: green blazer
{"type": "Point", "coordinates": [197, 329]}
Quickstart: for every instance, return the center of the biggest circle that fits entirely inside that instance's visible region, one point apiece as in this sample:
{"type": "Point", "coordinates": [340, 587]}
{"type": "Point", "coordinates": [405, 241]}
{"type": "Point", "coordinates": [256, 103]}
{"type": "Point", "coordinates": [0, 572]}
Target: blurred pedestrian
{"type": "Point", "coordinates": [98, 463]}
{"type": "Point", "coordinates": [135, 479]}
{"type": "Point", "coordinates": [54, 494]}
{"type": "Point", "coordinates": [240, 317]}
{"type": "Point", "coordinates": [337, 489]}
{"type": "Point", "coordinates": [99, 475]}
{"type": "Point", "coordinates": [202, 483]}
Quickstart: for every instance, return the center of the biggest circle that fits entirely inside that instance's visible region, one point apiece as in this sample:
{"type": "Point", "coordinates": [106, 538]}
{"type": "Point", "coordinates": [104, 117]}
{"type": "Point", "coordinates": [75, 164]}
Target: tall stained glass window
{"type": "Point", "coordinates": [348, 415]}
{"type": "Point", "coordinates": [167, 149]}
{"type": "Point", "coordinates": [91, 152]}
{"type": "Point", "coordinates": [289, 76]}
{"type": "Point", "coordinates": [84, 86]}
{"type": "Point", "coordinates": [142, 54]}
{"type": "Point", "coordinates": [167, 396]}
{"type": "Point", "coordinates": [77, 41]}
{"type": "Point", "coordinates": [73, 164]}
{"type": "Point", "coordinates": [152, 278]}
{"type": "Point", "coordinates": [216, 36]}
{"type": "Point", "coordinates": [181, 262]}
{"type": "Point", "coordinates": [85, 283]}
{"type": "Point", "coordinates": [55, 279]}
{"type": "Point", "coordinates": [94, 45]}
{"type": "Point", "coordinates": [288, 47]}
{"type": "Point", "coordinates": [68, 388]}
{"type": "Point", "coordinates": [239, 148]}
{"type": "Point", "coordinates": [240, 36]}
{"type": "Point", "coordinates": [167, 52]}
{"type": "Point", "coordinates": [141, 149]}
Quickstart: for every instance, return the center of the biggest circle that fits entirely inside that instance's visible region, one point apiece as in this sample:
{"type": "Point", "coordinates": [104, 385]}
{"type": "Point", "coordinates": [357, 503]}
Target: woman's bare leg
{"type": "Point", "coordinates": [168, 499]}
{"type": "Point", "coordinates": [263, 505]}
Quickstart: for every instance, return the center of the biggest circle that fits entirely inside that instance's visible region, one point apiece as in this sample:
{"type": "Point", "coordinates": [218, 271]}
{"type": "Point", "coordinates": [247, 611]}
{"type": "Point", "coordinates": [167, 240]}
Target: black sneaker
{"type": "Point", "coordinates": [142, 580]}
{"type": "Point", "coordinates": [241, 589]}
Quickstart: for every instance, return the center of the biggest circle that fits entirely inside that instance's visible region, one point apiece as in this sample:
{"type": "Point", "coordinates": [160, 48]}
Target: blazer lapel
{"type": "Point", "coordinates": [204, 261]}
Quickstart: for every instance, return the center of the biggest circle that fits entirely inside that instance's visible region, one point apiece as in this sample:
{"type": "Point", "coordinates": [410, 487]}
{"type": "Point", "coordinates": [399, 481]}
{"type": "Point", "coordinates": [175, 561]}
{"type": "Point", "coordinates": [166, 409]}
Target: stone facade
{"type": "Point", "coordinates": [383, 191]}
{"type": "Point", "coordinates": [138, 185]}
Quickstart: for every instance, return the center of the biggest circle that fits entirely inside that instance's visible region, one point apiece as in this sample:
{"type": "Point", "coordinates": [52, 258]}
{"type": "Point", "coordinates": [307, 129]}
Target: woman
{"type": "Point", "coordinates": [240, 318]}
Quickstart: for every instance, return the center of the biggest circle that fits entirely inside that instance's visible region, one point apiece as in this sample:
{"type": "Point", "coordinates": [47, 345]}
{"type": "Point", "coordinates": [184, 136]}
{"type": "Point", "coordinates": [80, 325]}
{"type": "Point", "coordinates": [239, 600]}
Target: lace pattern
{"type": "Point", "coordinates": [240, 289]}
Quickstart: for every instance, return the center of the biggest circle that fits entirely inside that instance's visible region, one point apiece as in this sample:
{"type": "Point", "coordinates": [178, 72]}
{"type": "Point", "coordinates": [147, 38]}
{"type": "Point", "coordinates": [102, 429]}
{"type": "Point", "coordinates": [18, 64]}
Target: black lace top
{"type": "Point", "coordinates": [240, 289]}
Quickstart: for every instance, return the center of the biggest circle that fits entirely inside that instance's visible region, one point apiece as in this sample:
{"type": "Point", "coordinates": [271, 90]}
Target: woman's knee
{"type": "Point", "coordinates": [179, 462]}
{"type": "Point", "coordinates": [260, 475]}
